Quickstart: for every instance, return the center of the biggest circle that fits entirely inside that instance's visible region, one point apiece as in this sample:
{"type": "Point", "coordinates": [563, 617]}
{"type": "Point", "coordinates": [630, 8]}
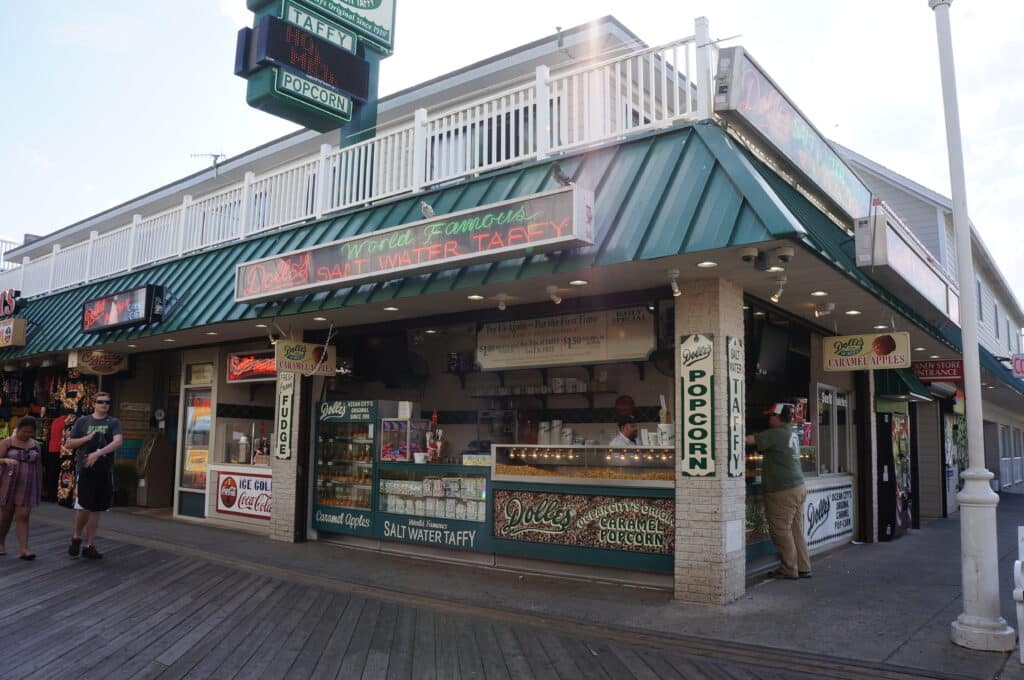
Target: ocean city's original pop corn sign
{"type": "Point", "coordinates": [247, 495]}
{"type": "Point", "coordinates": [828, 515]}
{"type": "Point", "coordinates": [555, 220]}
{"type": "Point", "coordinates": [615, 335]}
{"type": "Point", "coordinates": [697, 391]}
{"type": "Point", "coordinates": [609, 522]}
{"type": "Point", "coordinates": [866, 352]}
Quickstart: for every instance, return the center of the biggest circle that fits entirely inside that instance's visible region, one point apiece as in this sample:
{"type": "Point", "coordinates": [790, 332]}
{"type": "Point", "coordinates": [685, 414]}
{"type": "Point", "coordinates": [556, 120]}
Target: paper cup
{"type": "Point", "coordinates": [420, 457]}
{"type": "Point", "coordinates": [667, 434]}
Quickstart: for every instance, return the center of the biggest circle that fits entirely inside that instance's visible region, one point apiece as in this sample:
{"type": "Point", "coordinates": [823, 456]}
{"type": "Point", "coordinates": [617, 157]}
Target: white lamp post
{"type": "Point", "coordinates": [979, 626]}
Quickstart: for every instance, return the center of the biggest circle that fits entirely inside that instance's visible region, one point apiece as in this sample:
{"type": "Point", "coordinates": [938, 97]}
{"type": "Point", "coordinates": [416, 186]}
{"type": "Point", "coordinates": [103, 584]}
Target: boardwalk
{"type": "Point", "coordinates": [144, 612]}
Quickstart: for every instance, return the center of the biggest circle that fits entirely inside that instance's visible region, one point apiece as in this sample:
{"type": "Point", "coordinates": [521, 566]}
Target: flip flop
{"type": "Point", "coordinates": [29, 556]}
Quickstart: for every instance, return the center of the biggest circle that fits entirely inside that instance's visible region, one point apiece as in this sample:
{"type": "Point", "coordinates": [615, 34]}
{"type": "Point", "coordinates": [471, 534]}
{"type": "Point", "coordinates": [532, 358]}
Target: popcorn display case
{"type": "Point", "coordinates": [652, 466]}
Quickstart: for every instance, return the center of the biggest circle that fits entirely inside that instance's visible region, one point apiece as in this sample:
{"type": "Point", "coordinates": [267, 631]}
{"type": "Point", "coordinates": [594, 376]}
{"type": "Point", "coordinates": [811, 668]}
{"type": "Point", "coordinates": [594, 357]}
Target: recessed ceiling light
{"type": "Point", "coordinates": [934, 356]}
{"type": "Point", "coordinates": [707, 264]}
{"type": "Point", "coordinates": [133, 346]}
{"type": "Point", "coordinates": [261, 325]}
{"type": "Point", "coordinates": [990, 387]}
{"type": "Point", "coordinates": [210, 333]}
{"type": "Point", "coordinates": [919, 349]}
{"type": "Point", "coordinates": [319, 318]}
{"type": "Point", "coordinates": [578, 282]}
{"type": "Point", "coordinates": [852, 312]}
{"type": "Point", "coordinates": [776, 269]}
{"type": "Point", "coordinates": [169, 340]}
{"type": "Point", "coordinates": [430, 331]}
{"type": "Point", "coordinates": [475, 297]}
{"type": "Point", "coordinates": [391, 309]}
{"type": "Point", "coordinates": [880, 327]}
{"type": "Point", "coordinates": [819, 293]}
{"type": "Point", "coordinates": [758, 313]}
{"type": "Point", "coordinates": [746, 306]}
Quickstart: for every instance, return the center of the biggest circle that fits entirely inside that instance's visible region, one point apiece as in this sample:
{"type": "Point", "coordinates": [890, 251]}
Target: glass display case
{"type": "Point", "coordinates": [402, 438]}
{"type": "Point", "coordinates": [618, 466]}
{"type": "Point", "coordinates": [421, 492]}
{"type": "Point", "coordinates": [344, 460]}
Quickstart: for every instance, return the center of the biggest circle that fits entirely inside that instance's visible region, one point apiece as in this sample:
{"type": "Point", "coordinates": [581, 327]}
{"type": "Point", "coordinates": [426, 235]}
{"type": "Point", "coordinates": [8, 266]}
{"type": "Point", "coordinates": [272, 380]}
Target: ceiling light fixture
{"type": "Point", "coordinates": [780, 281]}
{"type": "Point", "coordinates": [501, 297]}
{"type": "Point", "coordinates": [391, 309]}
{"type": "Point", "coordinates": [880, 326]}
{"type": "Point", "coordinates": [824, 309]}
{"type": "Point", "coordinates": [853, 312]}
{"type": "Point", "coordinates": [673, 280]}
{"type": "Point", "coordinates": [919, 349]}
{"type": "Point", "coordinates": [319, 318]}
{"type": "Point", "coordinates": [707, 264]}
{"type": "Point", "coordinates": [474, 297]}
{"type": "Point", "coordinates": [430, 331]}
{"type": "Point", "coordinates": [261, 325]}
{"type": "Point", "coordinates": [934, 356]}
{"type": "Point", "coordinates": [819, 293]}
{"type": "Point", "coordinates": [133, 346]}
{"type": "Point", "coordinates": [775, 269]}
{"type": "Point", "coordinates": [169, 340]}
{"type": "Point", "coordinates": [759, 313]}
{"type": "Point", "coordinates": [210, 333]}
{"type": "Point", "coordinates": [552, 292]}
{"type": "Point", "coordinates": [578, 282]}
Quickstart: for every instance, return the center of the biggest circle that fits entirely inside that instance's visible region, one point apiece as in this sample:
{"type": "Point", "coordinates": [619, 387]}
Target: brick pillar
{"type": "Point", "coordinates": [710, 564]}
{"type": "Point", "coordinates": [287, 407]}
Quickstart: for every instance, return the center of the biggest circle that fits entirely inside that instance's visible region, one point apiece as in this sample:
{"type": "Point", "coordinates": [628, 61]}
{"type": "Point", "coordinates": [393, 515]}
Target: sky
{"type": "Point", "coordinates": [104, 101]}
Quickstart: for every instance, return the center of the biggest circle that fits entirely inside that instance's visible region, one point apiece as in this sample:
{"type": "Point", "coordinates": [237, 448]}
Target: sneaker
{"type": "Point", "coordinates": [778, 575]}
{"type": "Point", "coordinates": [92, 553]}
{"type": "Point", "coordinates": [805, 574]}
{"type": "Point", "coordinates": [75, 548]}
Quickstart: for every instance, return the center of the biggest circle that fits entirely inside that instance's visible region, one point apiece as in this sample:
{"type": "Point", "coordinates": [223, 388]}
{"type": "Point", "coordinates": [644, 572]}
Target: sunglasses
{"type": "Point", "coordinates": [102, 401]}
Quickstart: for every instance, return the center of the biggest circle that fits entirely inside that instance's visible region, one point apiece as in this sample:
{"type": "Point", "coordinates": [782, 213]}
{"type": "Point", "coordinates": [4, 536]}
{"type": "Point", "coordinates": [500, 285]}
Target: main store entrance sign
{"type": "Point", "coordinates": [697, 392]}
{"type": "Point", "coordinates": [866, 352]}
{"type": "Point", "coordinates": [614, 335]}
{"type": "Point", "coordinates": [556, 220]}
{"type": "Point", "coordinates": [939, 371]}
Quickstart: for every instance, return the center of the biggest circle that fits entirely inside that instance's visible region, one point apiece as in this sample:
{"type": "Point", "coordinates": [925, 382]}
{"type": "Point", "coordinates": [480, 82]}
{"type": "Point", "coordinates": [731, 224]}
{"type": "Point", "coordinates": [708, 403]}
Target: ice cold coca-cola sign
{"type": "Point", "coordinates": [244, 494]}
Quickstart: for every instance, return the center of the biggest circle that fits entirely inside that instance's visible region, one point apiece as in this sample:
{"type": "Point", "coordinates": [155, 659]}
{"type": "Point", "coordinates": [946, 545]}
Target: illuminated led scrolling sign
{"type": "Point", "coordinates": [134, 307]}
{"type": "Point", "coordinates": [557, 220]}
{"type": "Point", "coordinates": [745, 94]}
{"type": "Point", "coordinates": [373, 20]}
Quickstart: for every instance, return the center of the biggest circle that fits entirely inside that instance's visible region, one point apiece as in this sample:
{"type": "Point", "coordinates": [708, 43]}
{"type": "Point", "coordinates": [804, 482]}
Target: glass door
{"type": "Point", "coordinates": [196, 427]}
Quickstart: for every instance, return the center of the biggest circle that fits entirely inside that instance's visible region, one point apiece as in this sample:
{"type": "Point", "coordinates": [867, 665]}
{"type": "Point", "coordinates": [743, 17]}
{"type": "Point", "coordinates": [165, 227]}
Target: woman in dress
{"type": "Point", "coordinates": [20, 483]}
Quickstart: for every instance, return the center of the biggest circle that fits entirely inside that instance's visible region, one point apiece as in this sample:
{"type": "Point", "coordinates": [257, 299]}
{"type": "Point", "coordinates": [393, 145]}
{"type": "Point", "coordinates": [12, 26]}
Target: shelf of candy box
{"type": "Point", "coordinates": [441, 508]}
{"type": "Point", "coordinates": [364, 478]}
{"type": "Point", "coordinates": [360, 501]}
{"type": "Point", "coordinates": [468, 488]}
{"type": "Point", "coordinates": [557, 470]}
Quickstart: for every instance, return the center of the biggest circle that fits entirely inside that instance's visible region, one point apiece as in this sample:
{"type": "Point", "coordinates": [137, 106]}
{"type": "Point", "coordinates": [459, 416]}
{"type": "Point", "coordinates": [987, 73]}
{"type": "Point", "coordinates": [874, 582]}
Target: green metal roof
{"type": "Point", "coordinates": [892, 382]}
{"type": "Point", "coordinates": [686, 189]}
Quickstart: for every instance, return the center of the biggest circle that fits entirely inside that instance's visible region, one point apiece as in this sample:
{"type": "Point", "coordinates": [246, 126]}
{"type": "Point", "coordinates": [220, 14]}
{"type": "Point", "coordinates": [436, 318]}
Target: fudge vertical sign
{"type": "Point", "coordinates": [697, 370]}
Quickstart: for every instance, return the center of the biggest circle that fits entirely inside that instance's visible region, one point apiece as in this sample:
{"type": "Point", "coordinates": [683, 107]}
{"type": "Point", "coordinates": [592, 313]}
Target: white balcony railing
{"type": "Point", "coordinates": [551, 114]}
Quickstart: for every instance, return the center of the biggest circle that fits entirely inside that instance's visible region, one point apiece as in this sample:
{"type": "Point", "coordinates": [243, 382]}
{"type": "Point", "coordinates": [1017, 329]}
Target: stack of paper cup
{"type": "Point", "coordinates": [667, 434]}
{"type": "Point", "coordinates": [544, 432]}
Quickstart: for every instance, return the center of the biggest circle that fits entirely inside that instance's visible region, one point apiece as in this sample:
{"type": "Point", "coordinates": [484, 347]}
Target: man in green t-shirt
{"type": "Point", "coordinates": [782, 481]}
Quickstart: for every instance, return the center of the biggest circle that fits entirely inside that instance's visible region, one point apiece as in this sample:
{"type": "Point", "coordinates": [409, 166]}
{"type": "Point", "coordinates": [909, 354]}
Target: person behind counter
{"type": "Point", "coordinates": [628, 430]}
{"type": "Point", "coordinates": [782, 481]}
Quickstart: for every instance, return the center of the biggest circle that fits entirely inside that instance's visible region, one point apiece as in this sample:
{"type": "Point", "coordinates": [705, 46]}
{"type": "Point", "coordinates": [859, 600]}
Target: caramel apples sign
{"type": "Point", "coordinates": [865, 352]}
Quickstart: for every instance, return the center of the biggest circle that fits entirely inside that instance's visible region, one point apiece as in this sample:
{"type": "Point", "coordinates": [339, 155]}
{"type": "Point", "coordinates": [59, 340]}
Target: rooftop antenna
{"type": "Point", "coordinates": [214, 158]}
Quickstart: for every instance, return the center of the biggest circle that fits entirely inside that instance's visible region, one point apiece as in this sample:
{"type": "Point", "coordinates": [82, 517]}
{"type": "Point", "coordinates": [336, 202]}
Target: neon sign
{"type": "Point", "coordinates": [134, 307]}
{"type": "Point", "coordinates": [251, 367]}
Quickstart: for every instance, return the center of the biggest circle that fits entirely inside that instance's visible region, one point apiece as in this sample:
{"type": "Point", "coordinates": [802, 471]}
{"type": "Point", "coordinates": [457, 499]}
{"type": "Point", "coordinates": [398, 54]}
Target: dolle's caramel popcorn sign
{"type": "Point", "coordinates": [865, 352]}
{"type": "Point", "coordinates": [609, 522]}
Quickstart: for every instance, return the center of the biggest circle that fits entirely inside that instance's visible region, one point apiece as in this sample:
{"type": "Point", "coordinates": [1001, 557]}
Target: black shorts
{"type": "Point", "coordinates": [94, 488]}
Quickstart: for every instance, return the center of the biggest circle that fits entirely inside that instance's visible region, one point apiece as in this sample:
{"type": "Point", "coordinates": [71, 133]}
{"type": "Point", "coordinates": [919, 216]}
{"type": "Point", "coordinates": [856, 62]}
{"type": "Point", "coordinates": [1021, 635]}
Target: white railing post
{"type": "Point", "coordinates": [419, 150]}
{"type": "Point", "coordinates": [24, 265]}
{"type": "Point", "coordinates": [1018, 591]}
{"type": "Point", "coordinates": [53, 266]}
{"type": "Point", "coordinates": [320, 206]}
{"type": "Point", "coordinates": [89, 255]}
{"type": "Point", "coordinates": [182, 223]}
{"type": "Point", "coordinates": [245, 213]}
{"type": "Point", "coordinates": [132, 235]}
{"type": "Point", "coordinates": [543, 97]}
{"type": "Point", "coordinates": [704, 48]}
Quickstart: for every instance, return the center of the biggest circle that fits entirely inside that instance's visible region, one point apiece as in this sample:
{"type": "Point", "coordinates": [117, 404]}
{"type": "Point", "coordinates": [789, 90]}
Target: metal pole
{"type": "Point", "coordinates": [979, 626]}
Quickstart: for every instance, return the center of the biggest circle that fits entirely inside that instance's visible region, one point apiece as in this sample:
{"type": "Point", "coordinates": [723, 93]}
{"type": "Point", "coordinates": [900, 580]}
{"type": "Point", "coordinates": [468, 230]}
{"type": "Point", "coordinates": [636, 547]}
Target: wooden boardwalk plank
{"type": "Point", "coordinates": [512, 653]}
{"type": "Point", "coordinates": [329, 664]}
{"type": "Point", "coordinates": [359, 646]}
{"type": "Point", "coordinates": [602, 655]}
{"type": "Point", "coordinates": [296, 640]}
{"type": "Point", "coordinates": [402, 643]}
{"type": "Point", "coordinates": [446, 652]}
{"type": "Point", "coordinates": [633, 662]}
{"type": "Point", "coordinates": [471, 666]}
{"type": "Point", "coordinates": [317, 642]}
{"type": "Point", "coordinates": [378, 656]}
{"type": "Point", "coordinates": [490, 652]}
{"type": "Point", "coordinates": [535, 653]}
{"type": "Point", "coordinates": [584, 655]}
{"type": "Point", "coordinates": [560, 657]}
{"type": "Point", "coordinates": [273, 643]}
{"type": "Point", "coordinates": [250, 645]}
{"type": "Point", "coordinates": [424, 664]}
{"type": "Point", "coordinates": [664, 670]}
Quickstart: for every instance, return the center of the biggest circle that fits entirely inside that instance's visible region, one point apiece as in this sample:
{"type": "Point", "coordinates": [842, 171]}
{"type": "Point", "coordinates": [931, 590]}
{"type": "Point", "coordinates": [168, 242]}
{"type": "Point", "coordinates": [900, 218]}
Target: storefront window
{"type": "Point", "coordinates": [196, 441]}
{"type": "Point", "coordinates": [834, 430]}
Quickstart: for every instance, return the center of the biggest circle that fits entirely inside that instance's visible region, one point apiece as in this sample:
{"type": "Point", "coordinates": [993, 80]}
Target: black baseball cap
{"type": "Point", "coordinates": [625, 419]}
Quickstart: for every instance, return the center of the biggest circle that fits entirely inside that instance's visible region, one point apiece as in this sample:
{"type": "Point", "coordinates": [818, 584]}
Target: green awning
{"type": "Point", "coordinates": [900, 383]}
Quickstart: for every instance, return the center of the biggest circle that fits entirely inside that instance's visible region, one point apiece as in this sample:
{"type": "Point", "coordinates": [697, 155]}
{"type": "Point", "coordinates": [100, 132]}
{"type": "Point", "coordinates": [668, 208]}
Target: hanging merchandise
{"type": "Point", "coordinates": [66, 476]}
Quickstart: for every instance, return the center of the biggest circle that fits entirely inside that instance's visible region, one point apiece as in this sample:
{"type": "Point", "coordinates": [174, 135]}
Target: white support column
{"type": "Point", "coordinates": [419, 150]}
{"type": "Point", "coordinates": [979, 626]}
{"type": "Point", "coordinates": [284, 457]}
{"type": "Point", "coordinates": [53, 266]}
{"type": "Point", "coordinates": [186, 203]}
{"type": "Point", "coordinates": [245, 214]}
{"type": "Point", "coordinates": [704, 52]}
{"type": "Point", "coordinates": [543, 95]}
{"type": "Point", "coordinates": [322, 179]}
{"type": "Point", "coordinates": [89, 253]}
{"type": "Point", "coordinates": [21, 277]}
{"type": "Point", "coordinates": [710, 561]}
{"type": "Point", "coordinates": [133, 236]}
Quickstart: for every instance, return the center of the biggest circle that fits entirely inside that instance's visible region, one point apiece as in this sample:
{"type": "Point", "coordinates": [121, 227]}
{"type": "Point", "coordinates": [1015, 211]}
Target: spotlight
{"type": "Point", "coordinates": [673, 280]}
{"type": "Point", "coordinates": [552, 292]}
{"type": "Point", "coordinates": [426, 210]}
{"type": "Point", "coordinates": [501, 301]}
{"type": "Point", "coordinates": [824, 309]}
{"type": "Point", "coordinates": [777, 295]}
